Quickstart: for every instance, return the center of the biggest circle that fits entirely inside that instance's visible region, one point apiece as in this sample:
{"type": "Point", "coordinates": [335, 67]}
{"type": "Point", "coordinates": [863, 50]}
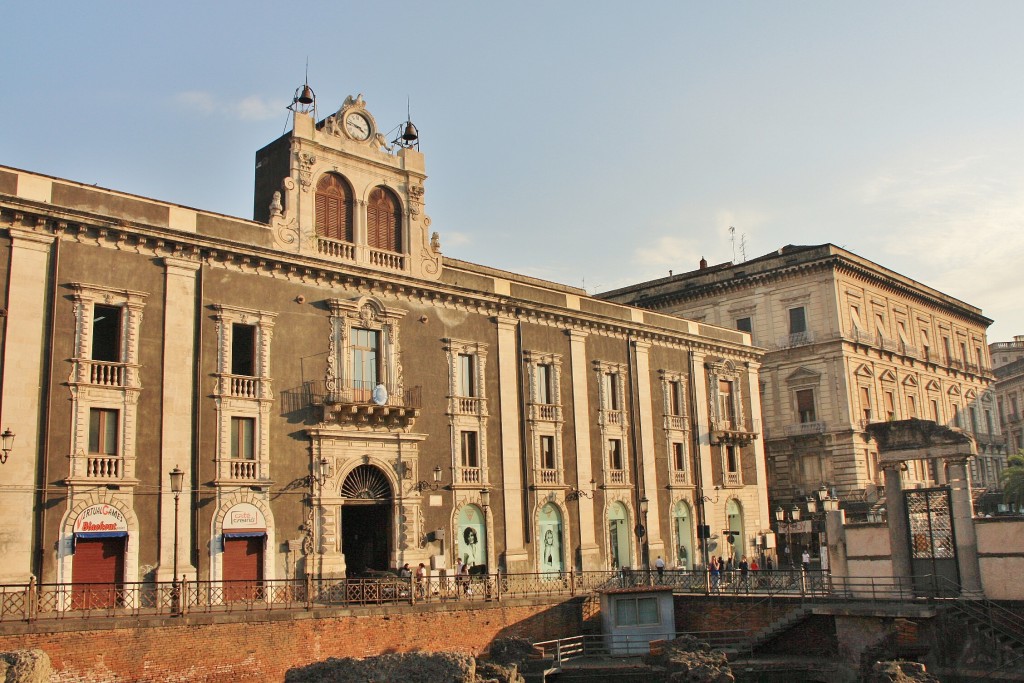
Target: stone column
{"type": "Point", "coordinates": [176, 424]}
{"type": "Point", "coordinates": [835, 533]}
{"type": "Point", "coordinates": [516, 557]}
{"type": "Point", "coordinates": [25, 332]}
{"type": "Point", "coordinates": [899, 525]}
{"type": "Point", "coordinates": [590, 553]}
{"type": "Point", "coordinates": [963, 527]}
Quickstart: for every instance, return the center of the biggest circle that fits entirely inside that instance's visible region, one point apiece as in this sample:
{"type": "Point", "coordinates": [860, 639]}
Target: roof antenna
{"type": "Point", "coordinates": [732, 239]}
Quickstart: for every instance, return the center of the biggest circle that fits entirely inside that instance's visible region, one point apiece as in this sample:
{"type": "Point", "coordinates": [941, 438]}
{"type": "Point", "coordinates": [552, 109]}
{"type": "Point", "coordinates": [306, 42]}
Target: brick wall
{"type": "Point", "coordinates": [238, 648]}
{"type": "Point", "coordinates": [698, 613]}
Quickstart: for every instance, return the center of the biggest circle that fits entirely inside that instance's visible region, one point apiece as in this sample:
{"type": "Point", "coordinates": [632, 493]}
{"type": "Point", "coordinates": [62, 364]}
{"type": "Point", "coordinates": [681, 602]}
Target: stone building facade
{"type": "Point", "coordinates": [339, 395]}
{"type": "Point", "coordinates": [848, 343]}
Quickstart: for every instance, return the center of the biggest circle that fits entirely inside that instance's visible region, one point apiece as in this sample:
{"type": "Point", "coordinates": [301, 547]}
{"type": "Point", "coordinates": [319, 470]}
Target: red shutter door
{"type": "Point", "coordinates": [97, 572]}
{"type": "Point", "coordinates": [243, 568]}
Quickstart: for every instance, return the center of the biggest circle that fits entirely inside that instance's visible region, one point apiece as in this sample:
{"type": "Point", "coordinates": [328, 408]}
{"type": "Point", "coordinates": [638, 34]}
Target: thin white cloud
{"type": "Point", "coordinates": [249, 108]}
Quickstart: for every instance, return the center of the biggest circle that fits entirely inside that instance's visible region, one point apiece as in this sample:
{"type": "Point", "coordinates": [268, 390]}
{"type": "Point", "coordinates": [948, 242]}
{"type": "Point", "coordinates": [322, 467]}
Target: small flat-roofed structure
{"type": "Point", "coordinates": [632, 617]}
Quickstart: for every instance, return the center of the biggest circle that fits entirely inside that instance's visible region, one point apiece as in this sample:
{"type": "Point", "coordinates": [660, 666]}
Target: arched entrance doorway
{"type": "Point", "coordinates": [618, 537]}
{"type": "Point", "coordinates": [684, 536]}
{"type": "Point", "coordinates": [472, 537]}
{"type": "Point", "coordinates": [366, 520]}
{"type": "Point", "coordinates": [734, 512]}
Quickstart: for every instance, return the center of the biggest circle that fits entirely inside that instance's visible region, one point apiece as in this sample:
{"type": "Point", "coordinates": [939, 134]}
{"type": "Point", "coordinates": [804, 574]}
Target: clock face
{"type": "Point", "coordinates": [357, 126]}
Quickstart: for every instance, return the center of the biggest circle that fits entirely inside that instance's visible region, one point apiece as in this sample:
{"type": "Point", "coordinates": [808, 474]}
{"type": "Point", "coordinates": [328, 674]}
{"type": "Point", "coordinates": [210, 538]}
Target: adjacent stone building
{"type": "Point", "coordinates": [337, 394]}
{"type": "Point", "coordinates": [849, 342]}
{"type": "Point", "coordinates": [1008, 360]}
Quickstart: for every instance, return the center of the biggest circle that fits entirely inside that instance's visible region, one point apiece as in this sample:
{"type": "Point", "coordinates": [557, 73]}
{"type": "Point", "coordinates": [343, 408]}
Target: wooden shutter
{"type": "Point", "coordinates": [333, 205]}
{"type": "Point", "coordinates": [383, 221]}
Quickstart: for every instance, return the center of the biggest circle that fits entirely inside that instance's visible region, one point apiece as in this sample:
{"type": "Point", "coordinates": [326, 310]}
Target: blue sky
{"type": "Point", "coordinates": [591, 143]}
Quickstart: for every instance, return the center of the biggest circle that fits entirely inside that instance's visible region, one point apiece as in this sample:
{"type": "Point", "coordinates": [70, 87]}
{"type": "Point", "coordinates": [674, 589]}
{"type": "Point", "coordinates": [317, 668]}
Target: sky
{"type": "Point", "coordinates": [595, 144]}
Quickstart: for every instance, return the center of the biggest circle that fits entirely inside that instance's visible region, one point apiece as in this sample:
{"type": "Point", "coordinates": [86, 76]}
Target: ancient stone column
{"type": "Point", "coordinates": [963, 527]}
{"type": "Point", "coordinates": [899, 525]}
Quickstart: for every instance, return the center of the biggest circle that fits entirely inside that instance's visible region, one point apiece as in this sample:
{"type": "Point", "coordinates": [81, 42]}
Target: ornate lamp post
{"type": "Point", "coordinates": [177, 479]}
{"type": "Point", "coordinates": [641, 530]}
{"type": "Point", "coordinates": [787, 525]}
{"type": "Point", "coordinates": [7, 445]}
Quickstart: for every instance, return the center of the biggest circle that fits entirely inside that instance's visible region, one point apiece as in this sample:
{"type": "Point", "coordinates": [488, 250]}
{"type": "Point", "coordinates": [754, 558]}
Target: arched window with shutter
{"type": "Point", "coordinates": [383, 221]}
{"type": "Point", "coordinates": [334, 208]}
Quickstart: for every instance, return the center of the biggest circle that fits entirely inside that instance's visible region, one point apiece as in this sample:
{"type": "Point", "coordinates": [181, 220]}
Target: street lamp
{"type": "Point", "coordinates": [794, 516]}
{"type": "Point", "coordinates": [7, 445]}
{"type": "Point", "coordinates": [177, 478]}
{"type": "Point", "coordinates": [422, 486]}
{"type": "Point", "coordinates": [641, 532]}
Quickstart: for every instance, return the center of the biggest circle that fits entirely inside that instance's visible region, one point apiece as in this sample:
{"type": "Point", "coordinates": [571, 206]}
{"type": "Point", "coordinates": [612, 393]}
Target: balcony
{"type": "Point", "coordinates": [354, 403]}
{"type": "Point", "coordinates": [955, 363]}
{"type": "Point", "coordinates": [546, 412]}
{"type": "Point", "coordinates": [468, 475]}
{"type": "Point", "coordinates": [910, 351]}
{"type": "Point", "coordinates": [1013, 418]}
{"type": "Point", "coordinates": [99, 467]}
{"type": "Point", "coordinates": [740, 431]}
{"type": "Point", "coordinates": [733, 479]}
{"type": "Point", "coordinates": [863, 336]}
{"type": "Point", "coordinates": [243, 471]}
{"type": "Point", "coordinates": [387, 259]}
{"type": "Point", "coordinates": [679, 477]}
{"type": "Point", "coordinates": [468, 405]}
{"type": "Point", "coordinates": [614, 418]}
{"type": "Point", "coordinates": [887, 343]}
{"type": "Point", "coordinates": [971, 367]}
{"type": "Point", "coordinates": [677, 422]}
{"type": "Point", "coordinates": [805, 428]}
{"type": "Point", "coordinates": [617, 477]}
{"type": "Point", "coordinates": [335, 249]}
{"type": "Point", "coordinates": [106, 374]}
{"type": "Point", "coordinates": [795, 339]}
{"type": "Point", "coordinates": [549, 477]}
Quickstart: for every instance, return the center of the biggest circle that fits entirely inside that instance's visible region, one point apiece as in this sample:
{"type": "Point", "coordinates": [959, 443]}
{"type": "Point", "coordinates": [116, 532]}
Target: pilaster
{"type": "Point", "coordinates": [590, 552]}
{"type": "Point", "coordinates": [646, 456]}
{"type": "Point", "coordinates": [516, 557]}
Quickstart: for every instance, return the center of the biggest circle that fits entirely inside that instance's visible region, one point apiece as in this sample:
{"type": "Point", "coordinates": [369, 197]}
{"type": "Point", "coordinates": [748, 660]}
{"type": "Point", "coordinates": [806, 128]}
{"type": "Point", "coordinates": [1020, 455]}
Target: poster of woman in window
{"type": "Point", "coordinates": [471, 539]}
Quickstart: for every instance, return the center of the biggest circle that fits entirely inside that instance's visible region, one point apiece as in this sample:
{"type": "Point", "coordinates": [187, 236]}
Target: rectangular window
{"type": "Point", "coordinates": [106, 333]}
{"type": "Point", "coordinates": [545, 384]}
{"type": "Point", "coordinates": [901, 331]}
{"type": "Point", "coordinates": [744, 325]}
{"type": "Point", "coordinates": [935, 410]}
{"type": "Point", "coordinates": [612, 388]}
{"type": "Point", "coordinates": [732, 461]}
{"type": "Point", "coordinates": [797, 320]}
{"type": "Point", "coordinates": [981, 362]}
{"type": "Point", "coordinates": [615, 454]}
{"type": "Point", "coordinates": [243, 350]}
{"type": "Point", "coordinates": [103, 431]}
{"type": "Point", "coordinates": [547, 452]}
{"type": "Point", "coordinates": [912, 405]}
{"type": "Point", "coordinates": [963, 352]}
{"type": "Point", "coordinates": [880, 324]}
{"type": "Point", "coordinates": [676, 403]}
{"type": "Point", "coordinates": [466, 375]}
{"type": "Point", "coordinates": [972, 415]}
{"type": "Point", "coordinates": [805, 405]}
{"type": "Point", "coordinates": [636, 612]}
{"type": "Point", "coordinates": [243, 430]}
{"type": "Point", "coordinates": [365, 362]}
{"type": "Point", "coordinates": [865, 403]}
{"type": "Point", "coordinates": [679, 457]}
{"type": "Point", "coordinates": [956, 415]}
{"type": "Point", "coordinates": [726, 406]}
{"type": "Point", "coordinates": [988, 420]}
{"type": "Point", "coordinates": [470, 455]}
{"type": "Point", "coordinates": [925, 345]}
{"type": "Point", "coordinates": [948, 349]}
{"type": "Point", "coordinates": [890, 406]}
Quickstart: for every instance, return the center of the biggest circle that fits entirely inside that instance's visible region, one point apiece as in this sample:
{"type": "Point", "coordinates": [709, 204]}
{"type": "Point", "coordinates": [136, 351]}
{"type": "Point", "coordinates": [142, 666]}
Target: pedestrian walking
{"type": "Point", "coordinates": [659, 564]}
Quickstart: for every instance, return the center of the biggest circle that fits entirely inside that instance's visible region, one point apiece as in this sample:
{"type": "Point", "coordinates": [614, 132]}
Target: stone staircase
{"type": "Point", "coordinates": [1001, 627]}
{"type": "Point", "coordinates": [776, 628]}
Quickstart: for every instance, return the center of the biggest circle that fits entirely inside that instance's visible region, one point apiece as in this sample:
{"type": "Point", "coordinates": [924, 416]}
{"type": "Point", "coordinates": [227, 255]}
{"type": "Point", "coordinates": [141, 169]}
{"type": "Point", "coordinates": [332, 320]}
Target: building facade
{"type": "Point", "coordinates": [338, 395]}
{"type": "Point", "coordinates": [848, 343]}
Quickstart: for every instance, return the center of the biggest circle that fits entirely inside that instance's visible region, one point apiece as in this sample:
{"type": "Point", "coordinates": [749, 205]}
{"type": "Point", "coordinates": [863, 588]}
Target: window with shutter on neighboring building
{"type": "Point", "coordinates": [797, 320]}
{"type": "Point", "coordinates": [912, 405]}
{"type": "Point", "coordinates": [676, 403]}
{"type": "Point", "coordinates": [547, 452]}
{"type": "Point", "coordinates": [470, 455]}
{"type": "Point", "coordinates": [805, 405]}
{"type": "Point", "coordinates": [890, 406]}
{"type": "Point", "coordinates": [545, 384]}
{"type": "Point", "coordinates": [333, 208]}
{"type": "Point", "coordinates": [679, 456]}
{"type": "Point", "coordinates": [466, 380]}
{"type": "Point", "coordinates": [383, 220]}
{"type": "Point", "coordinates": [865, 403]}
{"type": "Point", "coordinates": [744, 325]}
{"type": "Point", "coordinates": [615, 454]}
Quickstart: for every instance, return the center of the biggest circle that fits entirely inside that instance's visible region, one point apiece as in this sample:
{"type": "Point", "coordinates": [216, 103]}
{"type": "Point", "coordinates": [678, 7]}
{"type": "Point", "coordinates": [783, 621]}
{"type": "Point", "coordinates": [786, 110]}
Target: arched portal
{"type": "Point", "coordinates": [549, 537]}
{"type": "Point", "coordinates": [683, 528]}
{"type": "Point", "coordinates": [618, 537]}
{"type": "Point", "coordinates": [734, 512]}
{"type": "Point", "coordinates": [366, 514]}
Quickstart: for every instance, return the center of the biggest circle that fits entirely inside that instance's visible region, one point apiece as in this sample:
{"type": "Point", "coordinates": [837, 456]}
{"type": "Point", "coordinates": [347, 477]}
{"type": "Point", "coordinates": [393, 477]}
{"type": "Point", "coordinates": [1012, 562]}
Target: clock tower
{"type": "Point", "coordinates": [336, 189]}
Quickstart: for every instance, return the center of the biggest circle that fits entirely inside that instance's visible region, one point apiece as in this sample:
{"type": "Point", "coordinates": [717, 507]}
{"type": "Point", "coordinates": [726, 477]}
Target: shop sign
{"type": "Point", "coordinates": [100, 518]}
{"type": "Point", "coordinates": [244, 516]}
